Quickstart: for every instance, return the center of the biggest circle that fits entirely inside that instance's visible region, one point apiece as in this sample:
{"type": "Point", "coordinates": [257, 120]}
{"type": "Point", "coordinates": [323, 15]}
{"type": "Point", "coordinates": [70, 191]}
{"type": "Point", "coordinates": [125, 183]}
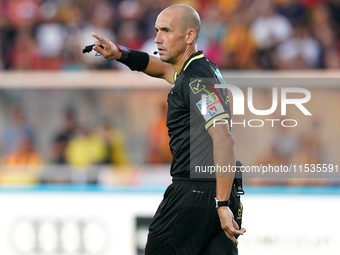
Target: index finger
{"type": "Point", "coordinates": [232, 233]}
{"type": "Point", "coordinates": [232, 238]}
{"type": "Point", "coordinates": [99, 38]}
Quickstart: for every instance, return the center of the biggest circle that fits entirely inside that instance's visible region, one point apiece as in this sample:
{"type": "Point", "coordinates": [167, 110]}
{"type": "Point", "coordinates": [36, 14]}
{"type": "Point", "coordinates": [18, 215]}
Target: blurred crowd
{"type": "Point", "coordinates": [236, 34]}
{"type": "Point", "coordinates": [76, 145]}
{"type": "Point", "coordinates": [77, 154]}
{"type": "Point", "coordinates": [71, 145]}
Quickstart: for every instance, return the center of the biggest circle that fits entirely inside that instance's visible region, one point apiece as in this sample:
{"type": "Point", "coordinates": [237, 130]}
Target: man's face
{"type": "Point", "coordinates": [170, 39]}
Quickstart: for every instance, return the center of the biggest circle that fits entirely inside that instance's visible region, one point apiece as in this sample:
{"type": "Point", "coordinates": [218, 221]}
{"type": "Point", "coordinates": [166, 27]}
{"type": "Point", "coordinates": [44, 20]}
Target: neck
{"type": "Point", "coordinates": [182, 58]}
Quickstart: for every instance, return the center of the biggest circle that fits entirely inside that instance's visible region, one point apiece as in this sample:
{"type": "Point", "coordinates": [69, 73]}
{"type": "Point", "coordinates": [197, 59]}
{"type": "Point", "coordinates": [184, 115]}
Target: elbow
{"type": "Point", "coordinates": [221, 135]}
{"type": "Point", "coordinates": [229, 139]}
{"type": "Point", "coordinates": [225, 138]}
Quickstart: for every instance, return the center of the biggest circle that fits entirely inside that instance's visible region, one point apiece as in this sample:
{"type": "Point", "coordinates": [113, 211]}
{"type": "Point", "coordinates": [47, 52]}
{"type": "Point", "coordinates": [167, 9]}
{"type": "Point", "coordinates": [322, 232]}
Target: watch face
{"type": "Point", "coordinates": [123, 48]}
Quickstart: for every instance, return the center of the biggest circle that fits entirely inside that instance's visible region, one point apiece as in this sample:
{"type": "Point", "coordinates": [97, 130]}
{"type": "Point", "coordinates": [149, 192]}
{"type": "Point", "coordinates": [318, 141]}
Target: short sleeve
{"type": "Point", "coordinates": [207, 103]}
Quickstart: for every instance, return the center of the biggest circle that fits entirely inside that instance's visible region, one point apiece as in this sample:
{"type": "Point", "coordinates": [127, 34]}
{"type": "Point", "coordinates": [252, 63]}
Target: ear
{"type": "Point", "coordinates": [190, 36]}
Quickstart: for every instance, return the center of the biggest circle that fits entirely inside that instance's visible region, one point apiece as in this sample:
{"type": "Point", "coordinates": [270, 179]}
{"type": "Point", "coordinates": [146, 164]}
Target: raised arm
{"type": "Point", "coordinates": [155, 67]}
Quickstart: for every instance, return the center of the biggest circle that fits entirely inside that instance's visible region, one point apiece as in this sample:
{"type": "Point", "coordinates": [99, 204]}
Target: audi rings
{"type": "Point", "coordinates": [59, 236]}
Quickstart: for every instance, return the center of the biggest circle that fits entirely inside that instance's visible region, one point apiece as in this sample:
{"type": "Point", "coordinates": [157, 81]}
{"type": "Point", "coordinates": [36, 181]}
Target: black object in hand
{"type": "Point", "coordinates": [238, 179]}
{"type": "Point", "coordinates": [88, 48]}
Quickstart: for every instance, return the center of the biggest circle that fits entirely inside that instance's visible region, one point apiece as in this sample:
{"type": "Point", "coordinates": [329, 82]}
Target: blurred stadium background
{"type": "Point", "coordinates": [84, 157]}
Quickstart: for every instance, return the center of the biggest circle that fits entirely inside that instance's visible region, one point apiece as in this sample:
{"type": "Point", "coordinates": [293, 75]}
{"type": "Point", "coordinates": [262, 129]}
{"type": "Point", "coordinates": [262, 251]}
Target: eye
{"type": "Point", "coordinates": [167, 30]}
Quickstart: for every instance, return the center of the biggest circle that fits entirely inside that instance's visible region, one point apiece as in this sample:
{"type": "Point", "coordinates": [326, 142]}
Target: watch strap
{"type": "Point", "coordinates": [222, 203]}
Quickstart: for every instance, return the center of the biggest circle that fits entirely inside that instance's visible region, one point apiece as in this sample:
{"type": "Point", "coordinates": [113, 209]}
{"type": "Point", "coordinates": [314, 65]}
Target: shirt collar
{"type": "Point", "coordinates": [197, 55]}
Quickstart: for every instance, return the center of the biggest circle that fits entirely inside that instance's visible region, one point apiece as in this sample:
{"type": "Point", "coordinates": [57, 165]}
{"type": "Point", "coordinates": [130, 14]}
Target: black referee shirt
{"type": "Point", "coordinates": [190, 143]}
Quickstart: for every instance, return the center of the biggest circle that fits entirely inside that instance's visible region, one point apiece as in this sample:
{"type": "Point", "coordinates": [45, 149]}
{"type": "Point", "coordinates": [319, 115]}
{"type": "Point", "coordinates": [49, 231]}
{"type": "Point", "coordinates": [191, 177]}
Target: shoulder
{"type": "Point", "coordinates": [197, 71]}
{"type": "Point", "coordinates": [202, 68]}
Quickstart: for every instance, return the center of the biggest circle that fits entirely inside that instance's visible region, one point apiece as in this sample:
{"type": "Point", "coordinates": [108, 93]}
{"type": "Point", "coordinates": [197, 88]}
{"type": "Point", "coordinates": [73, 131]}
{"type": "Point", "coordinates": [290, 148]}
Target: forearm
{"type": "Point", "coordinates": [224, 155]}
{"type": "Point", "coordinates": [159, 69]}
{"type": "Point", "coordinates": [150, 65]}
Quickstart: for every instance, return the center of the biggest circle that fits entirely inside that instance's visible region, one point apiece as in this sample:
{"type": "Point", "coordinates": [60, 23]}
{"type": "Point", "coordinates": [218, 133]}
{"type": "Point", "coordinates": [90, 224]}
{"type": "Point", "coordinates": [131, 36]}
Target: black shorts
{"type": "Point", "coordinates": [187, 222]}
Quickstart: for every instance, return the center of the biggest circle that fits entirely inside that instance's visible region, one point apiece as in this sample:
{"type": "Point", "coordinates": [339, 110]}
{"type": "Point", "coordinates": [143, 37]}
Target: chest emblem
{"type": "Point", "coordinates": [196, 86]}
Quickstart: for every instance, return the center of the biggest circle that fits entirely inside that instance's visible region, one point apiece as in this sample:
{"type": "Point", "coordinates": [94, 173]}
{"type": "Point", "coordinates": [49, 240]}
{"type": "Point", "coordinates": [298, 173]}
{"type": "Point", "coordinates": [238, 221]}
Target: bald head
{"type": "Point", "coordinates": [177, 30]}
{"type": "Point", "coordinates": [186, 16]}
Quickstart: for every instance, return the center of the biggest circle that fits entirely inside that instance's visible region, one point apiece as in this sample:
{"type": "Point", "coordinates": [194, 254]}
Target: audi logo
{"type": "Point", "coordinates": [59, 236]}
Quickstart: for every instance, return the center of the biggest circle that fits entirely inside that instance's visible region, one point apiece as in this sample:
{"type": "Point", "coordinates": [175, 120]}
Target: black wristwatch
{"type": "Point", "coordinates": [124, 50]}
{"type": "Point", "coordinates": [222, 203]}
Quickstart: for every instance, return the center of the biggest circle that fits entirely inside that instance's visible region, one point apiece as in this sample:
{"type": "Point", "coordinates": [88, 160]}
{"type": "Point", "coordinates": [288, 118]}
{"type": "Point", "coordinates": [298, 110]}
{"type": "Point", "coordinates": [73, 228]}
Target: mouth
{"type": "Point", "coordinates": [161, 50]}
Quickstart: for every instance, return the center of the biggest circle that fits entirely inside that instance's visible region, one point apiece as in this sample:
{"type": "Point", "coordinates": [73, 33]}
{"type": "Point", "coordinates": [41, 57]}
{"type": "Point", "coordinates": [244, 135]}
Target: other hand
{"type": "Point", "coordinates": [228, 224]}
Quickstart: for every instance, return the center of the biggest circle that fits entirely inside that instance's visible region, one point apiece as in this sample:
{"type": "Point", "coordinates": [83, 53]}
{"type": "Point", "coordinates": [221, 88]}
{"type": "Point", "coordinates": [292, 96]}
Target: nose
{"type": "Point", "coordinates": [158, 38]}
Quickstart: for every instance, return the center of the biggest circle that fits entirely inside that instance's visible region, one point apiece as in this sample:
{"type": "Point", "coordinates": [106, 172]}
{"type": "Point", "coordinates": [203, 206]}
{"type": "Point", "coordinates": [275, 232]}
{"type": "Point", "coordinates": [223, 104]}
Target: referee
{"type": "Point", "coordinates": [198, 216]}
